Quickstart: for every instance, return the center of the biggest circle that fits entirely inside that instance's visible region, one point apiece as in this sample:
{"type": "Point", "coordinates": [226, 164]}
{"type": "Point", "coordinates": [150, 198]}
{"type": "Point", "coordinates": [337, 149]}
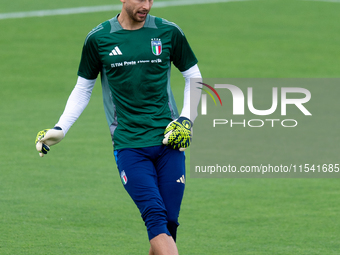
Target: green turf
{"type": "Point", "coordinates": [72, 201]}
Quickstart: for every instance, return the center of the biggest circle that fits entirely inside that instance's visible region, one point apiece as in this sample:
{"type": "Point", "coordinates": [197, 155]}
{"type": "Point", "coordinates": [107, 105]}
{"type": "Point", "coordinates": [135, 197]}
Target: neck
{"type": "Point", "coordinates": [127, 23]}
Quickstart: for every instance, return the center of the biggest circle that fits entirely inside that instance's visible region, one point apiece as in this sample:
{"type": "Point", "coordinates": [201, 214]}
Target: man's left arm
{"type": "Point", "coordinates": [178, 133]}
{"type": "Point", "coordinates": [192, 92]}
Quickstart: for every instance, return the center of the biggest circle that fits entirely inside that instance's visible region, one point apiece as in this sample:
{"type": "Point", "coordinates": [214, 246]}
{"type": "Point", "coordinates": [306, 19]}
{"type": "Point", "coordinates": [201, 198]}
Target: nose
{"type": "Point", "coordinates": [147, 4]}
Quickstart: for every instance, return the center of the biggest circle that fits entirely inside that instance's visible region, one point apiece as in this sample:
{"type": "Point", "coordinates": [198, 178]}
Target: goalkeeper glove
{"type": "Point", "coordinates": [177, 134]}
{"type": "Point", "coordinates": [46, 138]}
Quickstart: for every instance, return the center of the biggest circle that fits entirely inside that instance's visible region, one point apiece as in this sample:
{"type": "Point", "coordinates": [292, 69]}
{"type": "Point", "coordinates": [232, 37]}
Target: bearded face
{"type": "Point", "coordinates": [137, 10]}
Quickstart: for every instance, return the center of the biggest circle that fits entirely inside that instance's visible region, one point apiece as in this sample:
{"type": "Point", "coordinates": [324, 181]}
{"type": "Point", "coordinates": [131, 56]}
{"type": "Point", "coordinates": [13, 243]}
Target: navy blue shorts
{"type": "Point", "coordinates": [154, 177]}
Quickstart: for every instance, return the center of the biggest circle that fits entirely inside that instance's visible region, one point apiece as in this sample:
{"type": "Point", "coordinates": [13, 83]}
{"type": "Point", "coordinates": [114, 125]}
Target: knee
{"type": "Point", "coordinates": [154, 214]}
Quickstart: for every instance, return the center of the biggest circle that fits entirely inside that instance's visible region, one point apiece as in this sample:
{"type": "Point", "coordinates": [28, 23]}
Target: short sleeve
{"type": "Point", "coordinates": [182, 55]}
{"type": "Point", "coordinates": [90, 64]}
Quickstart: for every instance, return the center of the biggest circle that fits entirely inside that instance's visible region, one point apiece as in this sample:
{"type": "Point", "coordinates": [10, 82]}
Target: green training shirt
{"type": "Point", "coordinates": [135, 75]}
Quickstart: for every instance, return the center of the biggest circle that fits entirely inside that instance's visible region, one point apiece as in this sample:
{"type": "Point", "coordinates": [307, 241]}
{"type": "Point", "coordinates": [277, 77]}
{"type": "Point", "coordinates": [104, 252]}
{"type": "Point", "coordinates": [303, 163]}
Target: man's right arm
{"type": "Point", "coordinates": [76, 103]}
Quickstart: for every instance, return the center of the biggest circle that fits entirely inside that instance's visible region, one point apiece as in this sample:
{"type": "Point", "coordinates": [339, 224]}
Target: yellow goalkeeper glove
{"type": "Point", "coordinates": [177, 134]}
{"type": "Point", "coordinates": [46, 138]}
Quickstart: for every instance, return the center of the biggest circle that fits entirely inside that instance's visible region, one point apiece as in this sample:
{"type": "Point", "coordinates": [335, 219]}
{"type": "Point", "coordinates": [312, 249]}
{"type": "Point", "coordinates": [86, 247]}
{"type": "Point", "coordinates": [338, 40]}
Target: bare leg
{"type": "Point", "coordinates": [163, 245]}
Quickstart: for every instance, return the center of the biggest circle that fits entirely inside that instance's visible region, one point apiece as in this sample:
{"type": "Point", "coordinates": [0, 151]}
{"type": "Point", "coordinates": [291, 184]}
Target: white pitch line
{"type": "Point", "coordinates": [102, 8]}
{"type": "Point", "coordinates": [68, 11]}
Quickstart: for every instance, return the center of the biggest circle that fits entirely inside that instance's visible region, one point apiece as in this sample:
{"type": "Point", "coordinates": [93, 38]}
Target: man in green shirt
{"type": "Point", "coordinates": [133, 53]}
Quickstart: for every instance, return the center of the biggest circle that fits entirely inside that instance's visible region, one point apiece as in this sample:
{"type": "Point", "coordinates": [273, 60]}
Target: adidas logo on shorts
{"type": "Point", "coordinates": [181, 180]}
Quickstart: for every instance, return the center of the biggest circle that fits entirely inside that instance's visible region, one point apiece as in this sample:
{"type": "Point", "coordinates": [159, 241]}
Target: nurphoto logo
{"type": "Point", "coordinates": [300, 98]}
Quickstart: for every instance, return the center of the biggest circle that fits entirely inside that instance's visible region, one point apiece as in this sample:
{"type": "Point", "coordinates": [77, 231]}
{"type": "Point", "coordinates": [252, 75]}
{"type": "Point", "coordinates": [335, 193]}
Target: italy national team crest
{"type": "Point", "coordinates": [156, 46]}
{"type": "Point", "coordinates": [123, 177]}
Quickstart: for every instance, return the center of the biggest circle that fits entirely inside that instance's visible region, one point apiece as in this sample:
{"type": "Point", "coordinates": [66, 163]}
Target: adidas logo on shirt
{"type": "Point", "coordinates": [181, 180]}
{"type": "Point", "coordinates": [116, 51]}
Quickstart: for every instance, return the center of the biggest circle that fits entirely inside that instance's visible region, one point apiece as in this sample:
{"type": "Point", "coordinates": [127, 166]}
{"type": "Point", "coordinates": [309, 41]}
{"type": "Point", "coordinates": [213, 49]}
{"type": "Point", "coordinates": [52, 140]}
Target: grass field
{"type": "Point", "coordinates": [72, 200]}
